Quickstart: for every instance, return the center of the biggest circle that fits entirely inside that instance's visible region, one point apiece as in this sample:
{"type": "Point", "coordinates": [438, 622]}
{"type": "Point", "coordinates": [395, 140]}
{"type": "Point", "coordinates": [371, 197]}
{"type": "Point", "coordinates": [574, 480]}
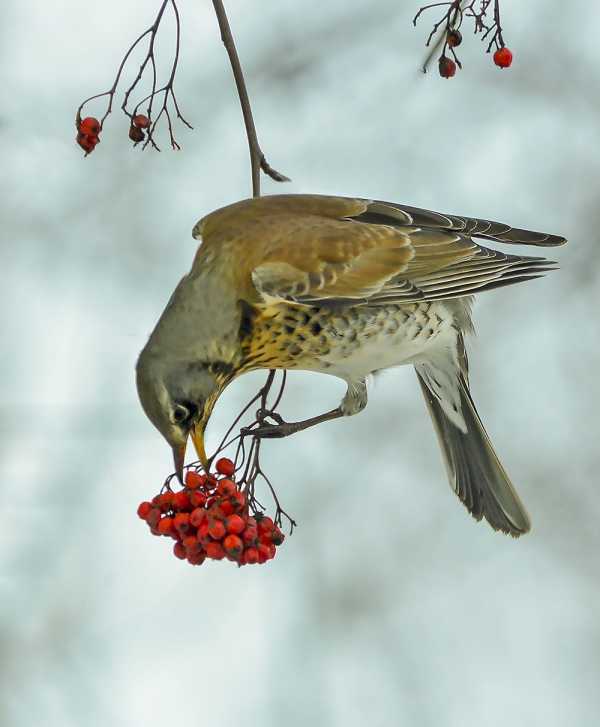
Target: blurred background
{"type": "Point", "coordinates": [389, 604]}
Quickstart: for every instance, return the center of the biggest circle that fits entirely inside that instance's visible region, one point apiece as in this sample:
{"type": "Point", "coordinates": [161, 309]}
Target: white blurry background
{"type": "Point", "coordinates": [389, 604]}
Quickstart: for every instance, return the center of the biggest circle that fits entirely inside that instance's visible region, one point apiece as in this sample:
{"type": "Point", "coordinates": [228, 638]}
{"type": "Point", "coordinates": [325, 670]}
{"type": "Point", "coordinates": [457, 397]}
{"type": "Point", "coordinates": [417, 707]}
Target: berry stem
{"type": "Point", "coordinates": [257, 158]}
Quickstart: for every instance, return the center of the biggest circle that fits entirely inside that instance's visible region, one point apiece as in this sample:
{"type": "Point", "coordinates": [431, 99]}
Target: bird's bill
{"type": "Point", "coordinates": [179, 459]}
{"type": "Point", "coordinates": [198, 439]}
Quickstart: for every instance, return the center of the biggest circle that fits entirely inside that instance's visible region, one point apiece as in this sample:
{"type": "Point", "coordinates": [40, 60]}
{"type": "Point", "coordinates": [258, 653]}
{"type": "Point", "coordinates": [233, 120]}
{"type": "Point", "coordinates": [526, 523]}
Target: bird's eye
{"type": "Point", "coordinates": [184, 412]}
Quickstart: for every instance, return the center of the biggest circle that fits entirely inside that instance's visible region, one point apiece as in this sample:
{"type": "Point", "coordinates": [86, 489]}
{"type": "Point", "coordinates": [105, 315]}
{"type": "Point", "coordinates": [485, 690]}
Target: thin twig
{"type": "Point", "coordinates": [257, 158]}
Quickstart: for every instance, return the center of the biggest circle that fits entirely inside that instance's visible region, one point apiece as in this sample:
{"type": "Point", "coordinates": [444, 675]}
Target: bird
{"type": "Point", "coordinates": [343, 286]}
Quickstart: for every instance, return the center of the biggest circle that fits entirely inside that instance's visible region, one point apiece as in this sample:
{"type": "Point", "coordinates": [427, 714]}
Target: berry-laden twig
{"type": "Point", "coordinates": [161, 101]}
{"type": "Point", "coordinates": [450, 36]}
{"type": "Point", "coordinates": [217, 515]}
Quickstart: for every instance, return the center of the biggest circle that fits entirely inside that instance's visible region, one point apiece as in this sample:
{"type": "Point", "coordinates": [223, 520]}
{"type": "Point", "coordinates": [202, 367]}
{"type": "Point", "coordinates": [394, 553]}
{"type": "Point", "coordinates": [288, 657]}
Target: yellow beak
{"type": "Point", "coordinates": [198, 439]}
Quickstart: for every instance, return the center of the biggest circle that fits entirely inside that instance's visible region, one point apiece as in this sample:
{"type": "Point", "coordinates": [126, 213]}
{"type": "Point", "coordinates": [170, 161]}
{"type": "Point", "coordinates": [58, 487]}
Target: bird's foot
{"type": "Point", "coordinates": [285, 429]}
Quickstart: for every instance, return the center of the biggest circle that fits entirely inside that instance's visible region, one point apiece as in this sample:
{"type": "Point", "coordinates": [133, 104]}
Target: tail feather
{"type": "Point", "coordinates": [473, 468]}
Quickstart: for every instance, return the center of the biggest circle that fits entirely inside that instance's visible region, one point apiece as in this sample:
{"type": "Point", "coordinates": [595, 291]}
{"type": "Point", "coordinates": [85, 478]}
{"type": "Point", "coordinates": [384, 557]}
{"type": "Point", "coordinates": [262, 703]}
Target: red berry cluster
{"type": "Point", "coordinates": [210, 518]}
{"type": "Point", "coordinates": [136, 130]}
{"type": "Point", "coordinates": [88, 134]}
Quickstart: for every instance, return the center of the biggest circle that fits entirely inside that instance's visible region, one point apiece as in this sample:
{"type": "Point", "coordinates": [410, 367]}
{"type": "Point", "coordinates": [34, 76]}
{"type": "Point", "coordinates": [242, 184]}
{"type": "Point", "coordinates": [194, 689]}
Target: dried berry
{"type": "Point", "coordinates": [454, 38]}
{"type": "Point", "coordinates": [136, 134]}
{"type": "Point", "coordinates": [447, 67]}
{"type": "Point", "coordinates": [141, 121]}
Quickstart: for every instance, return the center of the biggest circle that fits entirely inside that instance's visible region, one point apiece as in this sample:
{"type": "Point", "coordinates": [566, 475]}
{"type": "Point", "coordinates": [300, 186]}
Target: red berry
{"type": "Point", "coordinates": [265, 525]}
{"type": "Point", "coordinates": [153, 517]}
{"type": "Point", "coordinates": [216, 529]}
{"type": "Point", "coordinates": [238, 500]}
{"type": "Point", "coordinates": [165, 526]}
{"type": "Point", "coordinates": [235, 524]}
{"type": "Point", "coordinates": [141, 121]}
{"type": "Point", "coordinates": [215, 551]}
{"type": "Point", "coordinates": [197, 499]}
{"type": "Point", "coordinates": [225, 467]}
{"type": "Point", "coordinates": [503, 57]}
{"type": "Point", "coordinates": [136, 134]}
{"type": "Point", "coordinates": [447, 67]}
{"type": "Point", "coordinates": [194, 479]}
{"type": "Point", "coordinates": [181, 522]}
{"type": "Point", "coordinates": [263, 555]}
{"type": "Point", "coordinates": [143, 509]}
{"type": "Point", "coordinates": [163, 501]}
{"type": "Point", "coordinates": [226, 487]}
{"type": "Point", "coordinates": [250, 536]}
{"type": "Point", "coordinates": [203, 535]}
{"type": "Point", "coordinates": [277, 537]}
{"type": "Point", "coordinates": [226, 507]}
{"type": "Point", "coordinates": [250, 556]}
{"type": "Point", "coordinates": [233, 545]}
{"type": "Point", "coordinates": [179, 551]}
{"type": "Point", "coordinates": [196, 558]}
{"type": "Point", "coordinates": [181, 501]}
{"type": "Point", "coordinates": [197, 517]}
{"type": "Point", "coordinates": [191, 544]}
{"type": "Point", "coordinates": [85, 143]}
{"type": "Point", "coordinates": [90, 125]}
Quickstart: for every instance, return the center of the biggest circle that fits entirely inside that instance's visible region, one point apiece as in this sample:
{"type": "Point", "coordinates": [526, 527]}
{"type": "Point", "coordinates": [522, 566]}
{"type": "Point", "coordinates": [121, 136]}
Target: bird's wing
{"type": "Point", "coordinates": [319, 250]}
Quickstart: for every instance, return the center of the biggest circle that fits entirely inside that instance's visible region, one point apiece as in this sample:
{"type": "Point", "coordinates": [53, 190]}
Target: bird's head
{"type": "Point", "coordinates": [178, 398]}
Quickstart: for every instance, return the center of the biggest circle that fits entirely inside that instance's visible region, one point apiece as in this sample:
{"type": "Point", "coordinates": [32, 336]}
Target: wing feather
{"type": "Point", "coordinates": [314, 249]}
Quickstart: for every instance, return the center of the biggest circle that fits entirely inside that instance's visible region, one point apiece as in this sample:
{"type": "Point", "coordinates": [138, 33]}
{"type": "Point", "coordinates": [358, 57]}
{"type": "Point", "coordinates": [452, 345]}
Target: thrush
{"type": "Point", "coordinates": [346, 287]}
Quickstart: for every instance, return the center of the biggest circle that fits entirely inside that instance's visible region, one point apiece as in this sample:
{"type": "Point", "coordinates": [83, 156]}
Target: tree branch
{"type": "Point", "coordinates": [257, 158]}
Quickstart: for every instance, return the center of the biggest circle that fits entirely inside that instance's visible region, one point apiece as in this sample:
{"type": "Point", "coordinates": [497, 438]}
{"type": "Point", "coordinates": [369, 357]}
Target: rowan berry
{"type": "Point", "coordinates": [90, 126]}
{"type": "Point", "coordinates": [141, 121]}
{"type": "Point", "coordinates": [238, 500]}
{"type": "Point", "coordinates": [250, 556]}
{"type": "Point", "coordinates": [203, 534]}
{"type": "Point", "coordinates": [136, 134]}
{"type": "Point", "coordinates": [194, 480]}
{"type": "Point", "coordinates": [226, 507]}
{"type": "Point", "coordinates": [165, 525]}
{"type": "Point", "coordinates": [197, 517]}
{"type": "Point", "coordinates": [179, 551]}
{"type": "Point", "coordinates": [216, 529]}
{"type": "Point", "coordinates": [85, 143]}
{"type": "Point", "coordinates": [454, 38]}
{"type": "Point", "coordinates": [215, 551]}
{"type": "Point", "coordinates": [225, 467]}
{"type": "Point", "coordinates": [197, 499]}
{"type": "Point", "coordinates": [264, 525]}
{"type": "Point", "coordinates": [250, 536]}
{"type": "Point", "coordinates": [191, 544]}
{"type": "Point", "coordinates": [153, 517]}
{"type": "Point", "coordinates": [196, 558]}
{"type": "Point", "coordinates": [181, 501]}
{"type": "Point", "coordinates": [447, 67]}
{"type": "Point", "coordinates": [503, 57]}
{"type": "Point", "coordinates": [233, 545]}
{"type": "Point", "coordinates": [181, 522]}
{"type": "Point", "coordinates": [235, 524]}
{"type": "Point", "coordinates": [143, 509]}
{"type": "Point", "coordinates": [226, 487]}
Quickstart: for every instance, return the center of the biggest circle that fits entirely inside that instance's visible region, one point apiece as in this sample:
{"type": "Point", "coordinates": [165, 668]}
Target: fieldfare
{"type": "Point", "coordinates": [346, 287]}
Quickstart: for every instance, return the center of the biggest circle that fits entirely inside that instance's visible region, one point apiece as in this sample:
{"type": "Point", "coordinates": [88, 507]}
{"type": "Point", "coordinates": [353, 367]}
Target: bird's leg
{"type": "Point", "coordinates": [353, 402]}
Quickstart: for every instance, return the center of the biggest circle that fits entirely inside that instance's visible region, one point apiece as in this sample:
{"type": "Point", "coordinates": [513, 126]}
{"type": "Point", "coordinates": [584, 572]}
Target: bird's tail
{"type": "Point", "coordinates": [473, 468]}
